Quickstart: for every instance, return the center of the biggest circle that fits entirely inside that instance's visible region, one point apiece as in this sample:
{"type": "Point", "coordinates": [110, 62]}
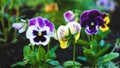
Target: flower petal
{"type": "Point", "coordinates": [99, 20]}
{"type": "Point", "coordinates": [84, 22]}
{"type": "Point", "coordinates": [90, 31]}
{"type": "Point", "coordinates": [106, 20]}
{"type": "Point", "coordinates": [29, 32]}
{"type": "Point", "coordinates": [74, 27]}
{"type": "Point", "coordinates": [49, 24]}
{"type": "Point", "coordinates": [105, 28]}
{"type": "Point", "coordinates": [62, 32]}
{"type": "Point", "coordinates": [21, 30]}
{"type": "Point", "coordinates": [46, 40]}
{"type": "Point", "coordinates": [41, 24]}
{"type": "Point", "coordinates": [32, 41]}
{"type": "Point", "coordinates": [69, 16]}
{"type": "Point", "coordinates": [18, 26]}
{"type": "Point", "coordinates": [63, 44]}
{"type": "Point", "coordinates": [32, 22]}
{"type": "Point", "coordinates": [92, 14]}
{"type": "Point", "coordinates": [84, 14]}
{"type": "Point", "coordinates": [77, 36]}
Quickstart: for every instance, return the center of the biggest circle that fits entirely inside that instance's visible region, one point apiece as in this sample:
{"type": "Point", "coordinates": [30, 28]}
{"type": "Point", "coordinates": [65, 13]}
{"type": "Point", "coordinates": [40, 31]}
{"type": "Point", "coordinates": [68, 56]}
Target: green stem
{"type": "Point", "coordinates": [88, 37]}
{"type": "Point", "coordinates": [74, 50]}
{"type": "Point", "coordinates": [48, 47]}
{"type": "Point", "coordinates": [114, 48]}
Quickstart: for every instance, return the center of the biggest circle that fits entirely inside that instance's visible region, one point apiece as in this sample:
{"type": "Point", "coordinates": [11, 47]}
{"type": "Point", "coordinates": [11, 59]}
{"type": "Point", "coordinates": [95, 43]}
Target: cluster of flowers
{"type": "Point", "coordinates": [41, 29]}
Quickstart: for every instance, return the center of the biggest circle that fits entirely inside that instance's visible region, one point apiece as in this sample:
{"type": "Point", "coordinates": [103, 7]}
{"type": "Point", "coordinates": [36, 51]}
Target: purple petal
{"type": "Point", "coordinates": [99, 20]}
{"type": "Point", "coordinates": [40, 22]}
{"type": "Point", "coordinates": [84, 14]}
{"type": "Point", "coordinates": [93, 13]}
{"type": "Point", "coordinates": [32, 21]}
{"type": "Point", "coordinates": [49, 24]}
{"type": "Point", "coordinates": [69, 16]}
{"type": "Point", "coordinates": [84, 22]}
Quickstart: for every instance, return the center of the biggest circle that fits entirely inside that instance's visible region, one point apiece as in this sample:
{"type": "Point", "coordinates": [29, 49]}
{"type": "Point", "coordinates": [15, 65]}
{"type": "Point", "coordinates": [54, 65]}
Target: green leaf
{"type": "Point", "coordinates": [2, 40]}
{"type": "Point", "coordinates": [41, 53]}
{"type": "Point", "coordinates": [51, 53]}
{"type": "Point", "coordinates": [70, 63]}
{"type": "Point", "coordinates": [53, 62]}
{"type": "Point", "coordinates": [27, 52]}
{"type": "Point", "coordinates": [103, 34]}
{"type": "Point", "coordinates": [83, 43]}
{"type": "Point", "coordinates": [82, 58]}
{"type": "Point", "coordinates": [21, 63]}
{"type": "Point", "coordinates": [103, 50]}
{"type": "Point", "coordinates": [89, 53]}
{"type": "Point", "coordinates": [109, 57]}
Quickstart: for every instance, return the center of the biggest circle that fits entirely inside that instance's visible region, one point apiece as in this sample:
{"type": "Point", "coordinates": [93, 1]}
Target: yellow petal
{"type": "Point", "coordinates": [63, 43]}
{"type": "Point", "coordinates": [104, 28]}
{"type": "Point", "coordinates": [107, 20]}
{"type": "Point", "coordinates": [77, 37]}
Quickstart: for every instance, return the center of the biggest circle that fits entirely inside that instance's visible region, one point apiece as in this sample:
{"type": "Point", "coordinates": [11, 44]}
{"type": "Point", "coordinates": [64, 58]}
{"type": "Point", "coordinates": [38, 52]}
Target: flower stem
{"type": "Point", "coordinates": [114, 48]}
{"type": "Point", "coordinates": [74, 50]}
{"type": "Point", "coordinates": [48, 47]}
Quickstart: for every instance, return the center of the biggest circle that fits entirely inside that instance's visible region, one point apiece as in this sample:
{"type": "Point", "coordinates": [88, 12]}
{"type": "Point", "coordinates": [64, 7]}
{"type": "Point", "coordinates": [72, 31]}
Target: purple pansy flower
{"type": "Point", "coordinates": [69, 16]}
{"type": "Point", "coordinates": [39, 31]}
{"type": "Point", "coordinates": [91, 20]}
{"type": "Point", "coordinates": [108, 5]}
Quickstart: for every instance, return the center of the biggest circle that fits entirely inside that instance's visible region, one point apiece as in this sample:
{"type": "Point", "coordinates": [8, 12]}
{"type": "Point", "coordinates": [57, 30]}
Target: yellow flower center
{"type": "Point", "coordinates": [92, 24]}
{"type": "Point", "coordinates": [39, 34]}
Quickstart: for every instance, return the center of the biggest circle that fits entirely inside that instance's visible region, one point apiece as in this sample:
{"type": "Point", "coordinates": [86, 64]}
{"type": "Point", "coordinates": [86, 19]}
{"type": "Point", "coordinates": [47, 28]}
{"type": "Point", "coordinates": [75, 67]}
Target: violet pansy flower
{"type": "Point", "coordinates": [108, 5]}
{"type": "Point", "coordinates": [39, 31]}
{"type": "Point", "coordinates": [91, 20]}
{"type": "Point", "coordinates": [69, 16]}
{"type": "Point", "coordinates": [20, 26]}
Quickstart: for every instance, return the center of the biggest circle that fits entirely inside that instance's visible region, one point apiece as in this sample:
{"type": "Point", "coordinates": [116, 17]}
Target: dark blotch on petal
{"type": "Point", "coordinates": [42, 38]}
{"type": "Point", "coordinates": [36, 39]}
{"type": "Point", "coordinates": [103, 15]}
{"type": "Point", "coordinates": [39, 38]}
{"type": "Point", "coordinates": [84, 22]}
{"type": "Point", "coordinates": [99, 20]}
{"type": "Point", "coordinates": [44, 33]}
{"type": "Point", "coordinates": [35, 32]}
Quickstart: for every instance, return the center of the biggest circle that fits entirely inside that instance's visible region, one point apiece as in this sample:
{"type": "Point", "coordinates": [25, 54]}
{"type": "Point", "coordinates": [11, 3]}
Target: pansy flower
{"type": "Point", "coordinates": [20, 26]}
{"type": "Point", "coordinates": [105, 27]}
{"type": "Point", "coordinates": [69, 16]}
{"type": "Point", "coordinates": [91, 20]}
{"type": "Point", "coordinates": [39, 31]}
{"type": "Point", "coordinates": [108, 5]}
{"type": "Point", "coordinates": [64, 32]}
